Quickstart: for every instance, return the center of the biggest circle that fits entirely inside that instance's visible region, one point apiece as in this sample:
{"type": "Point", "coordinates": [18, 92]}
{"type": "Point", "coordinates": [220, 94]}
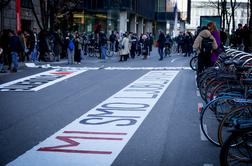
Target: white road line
{"type": "Point", "coordinates": [147, 68]}
{"type": "Point", "coordinates": [207, 164]}
{"type": "Point", "coordinates": [98, 136]}
{"type": "Point", "coordinates": [200, 107]}
{"type": "Point", "coordinates": [198, 93]}
{"type": "Point", "coordinates": [202, 136]}
{"type": "Point", "coordinates": [51, 73]}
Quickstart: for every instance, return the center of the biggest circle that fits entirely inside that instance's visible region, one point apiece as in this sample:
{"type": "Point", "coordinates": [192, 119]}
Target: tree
{"type": "Point", "coordinates": [226, 10]}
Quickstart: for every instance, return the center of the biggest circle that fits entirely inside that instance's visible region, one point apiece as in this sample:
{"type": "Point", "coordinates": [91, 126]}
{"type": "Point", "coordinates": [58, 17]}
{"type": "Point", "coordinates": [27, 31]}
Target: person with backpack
{"type": "Point", "coordinates": [205, 43]}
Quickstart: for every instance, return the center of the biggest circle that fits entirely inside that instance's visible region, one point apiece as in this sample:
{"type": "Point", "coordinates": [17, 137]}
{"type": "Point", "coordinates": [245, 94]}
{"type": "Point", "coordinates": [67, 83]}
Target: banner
{"type": "Point", "coordinates": [18, 20]}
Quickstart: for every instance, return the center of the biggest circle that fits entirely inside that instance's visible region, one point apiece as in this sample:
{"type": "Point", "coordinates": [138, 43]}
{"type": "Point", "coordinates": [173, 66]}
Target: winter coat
{"type": "Point", "coordinates": [125, 44]}
{"type": "Point", "coordinates": [215, 54]}
{"type": "Point", "coordinates": [199, 38]}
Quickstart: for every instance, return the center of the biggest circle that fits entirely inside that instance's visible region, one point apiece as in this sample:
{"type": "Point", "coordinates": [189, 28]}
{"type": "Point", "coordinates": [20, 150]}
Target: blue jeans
{"type": "Point", "coordinates": [103, 52]}
{"type": "Point", "coordinates": [14, 57]}
{"type": "Point", "coordinates": [161, 52]}
{"type": "Point", "coordinates": [34, 54]}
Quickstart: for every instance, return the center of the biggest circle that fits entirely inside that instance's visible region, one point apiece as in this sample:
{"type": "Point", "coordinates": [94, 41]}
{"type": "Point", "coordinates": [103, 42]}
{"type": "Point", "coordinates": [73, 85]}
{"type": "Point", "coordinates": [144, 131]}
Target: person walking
{"type": "Point", "coordinates": [161, 44]}
{"type": "Point", "coordinates": [14, 48]}
{"type": "Point", "coordinates": [204, 44]}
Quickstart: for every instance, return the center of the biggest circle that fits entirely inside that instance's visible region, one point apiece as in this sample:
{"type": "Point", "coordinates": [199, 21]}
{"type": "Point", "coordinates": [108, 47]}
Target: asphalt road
{"type": "Point", "coordinates": [166, 133]}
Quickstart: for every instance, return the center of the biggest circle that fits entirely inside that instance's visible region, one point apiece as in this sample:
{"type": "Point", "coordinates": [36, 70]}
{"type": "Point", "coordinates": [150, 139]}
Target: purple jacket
{"type": "Point", "coordinates": [216, 35]}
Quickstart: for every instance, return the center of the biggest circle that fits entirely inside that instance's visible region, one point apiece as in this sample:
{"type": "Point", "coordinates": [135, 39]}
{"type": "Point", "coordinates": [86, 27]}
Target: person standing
{"type": "Point", "coordinates": [34, 54]}
{"type": "Point", "coordinates": [70, 49]}
{"type": "Point", "coordinates": [238, 36]}
{"type": "Point", "coordinates": [14, 47]}
{"type": "Point", "coordinates": [77, 48]}
{"type": "Point", "coordinates": [145, 49]}
{"type": "Point", "coordinates": [125, 48]}
{"type": "Point", "coordinates": [161, 44]}
{"type": "Point", "coordinates": [246, 37]}
{"type": "Point", "coordinates": [103, 44]}
{"type": "Point", "coordinates": [188, 44]}
{"type": "Point", "coordinates": [216, 34]}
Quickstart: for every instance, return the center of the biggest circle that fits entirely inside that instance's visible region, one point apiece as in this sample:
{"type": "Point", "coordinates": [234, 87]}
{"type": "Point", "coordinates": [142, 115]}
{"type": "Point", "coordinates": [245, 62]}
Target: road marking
{"type": "Point", "coordinates": [98, 136]}
{"type": "Point", "coordinates": [198, 93]}
{"type": "Point", "coordinates": [202, 136]}
{"type": "Point", "coordinates": [32, 65]}
{"type": "Point", "coordinates": [200, 107]}
{"type": "Point", "coordinates": [207, 164]}
{"type": "Point", "coordinates": [147, 68]}
{"type": "Point", "coordinates": [41, 80]}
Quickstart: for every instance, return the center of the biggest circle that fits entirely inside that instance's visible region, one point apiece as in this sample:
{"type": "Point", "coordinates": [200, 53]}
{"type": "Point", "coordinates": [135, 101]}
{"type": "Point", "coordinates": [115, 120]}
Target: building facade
{"type": "Point", "coordinates": [27, 20]}
{"type": "Point", "coordinates": [203, 8]}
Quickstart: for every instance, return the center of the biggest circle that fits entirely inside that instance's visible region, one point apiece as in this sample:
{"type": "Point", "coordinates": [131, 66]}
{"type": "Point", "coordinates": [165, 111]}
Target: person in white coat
{"type": "Point", "coordinates": [124, 53]}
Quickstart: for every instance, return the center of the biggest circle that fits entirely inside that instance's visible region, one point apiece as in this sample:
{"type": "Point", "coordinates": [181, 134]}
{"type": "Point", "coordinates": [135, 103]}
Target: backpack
{"type": "Point", "coordinates": [206, 45]}
{"type": "Point", "coordinates": [71, 45]}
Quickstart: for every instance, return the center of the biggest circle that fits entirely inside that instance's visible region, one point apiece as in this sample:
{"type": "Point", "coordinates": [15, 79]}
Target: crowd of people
{"type": "Point", "coordinates": [31, 45]}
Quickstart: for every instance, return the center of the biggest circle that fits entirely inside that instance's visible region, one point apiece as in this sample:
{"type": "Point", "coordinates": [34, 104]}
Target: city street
{"type": "Point", "coordinates": [100, 113]}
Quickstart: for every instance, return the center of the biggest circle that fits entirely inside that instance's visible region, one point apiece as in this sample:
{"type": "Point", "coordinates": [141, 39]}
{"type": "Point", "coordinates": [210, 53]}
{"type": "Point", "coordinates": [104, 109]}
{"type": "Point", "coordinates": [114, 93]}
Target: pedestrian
{"type": "Point", "coordinates": [238, 37]}
{"type": "Point", "coordinates": [246, 37]}
{"type": "Point", "coordinates": [34, 54]}
{"type": "Point", "coordinates": [4, 40]}
{"type": "Point", "coordinates": [1, 59]}
{"type": "Point", "coordinates": [145, 48]}
{"type": "Point", "coordinates": [77, 48]}
{"type": "Point", "coordinates": [151, 41]}
{"type": "Point", "coordinates": [103, 44]}
{"type": "Point", "coordinates": [188, 42]}
{"type": "Point", "coordinates": [22, 41]}
{"type": "Point", "coordinates": [161, 44]}
{"type": "Point", "coordinates": [112, 39]}
{"type": "Point", "coordinates": [43, 45]}
{"type": "Point", "coordinates": [216, 34]}
{"type": "Point", "coordinates": [70, 48]}
{"type": "Point", "coordinates": [124, 53]}
{"type": "Point", "coordinates": [204, 44]}
{"type": "Point", "coordinates": [14, 48]}
{"type": "Point", "coordinates": [180, 42]}
{"type": "Point", "coordinates": [133, 47]}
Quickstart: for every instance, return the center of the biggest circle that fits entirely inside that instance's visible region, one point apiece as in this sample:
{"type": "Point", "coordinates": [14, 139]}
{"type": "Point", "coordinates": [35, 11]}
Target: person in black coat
{"type": "Point", "coordinates": [161, 44]}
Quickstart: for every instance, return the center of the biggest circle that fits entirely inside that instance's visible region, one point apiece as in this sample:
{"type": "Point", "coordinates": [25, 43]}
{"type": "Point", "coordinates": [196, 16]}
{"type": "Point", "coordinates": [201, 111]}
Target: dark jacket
{"type": "Point", "coordinates": [161, 40]}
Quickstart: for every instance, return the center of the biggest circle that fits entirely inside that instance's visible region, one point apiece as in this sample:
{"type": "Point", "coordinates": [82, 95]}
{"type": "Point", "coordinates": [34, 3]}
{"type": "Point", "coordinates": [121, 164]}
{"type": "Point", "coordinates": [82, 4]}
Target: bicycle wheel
{"type": "Point", "coordinates": [194, 63]}
{"type": "Point", "coordinates": [241, 153]}
{"type": "Point", "coordinates": [242, 112]}
{"type": "Point", "coordinates": [212, 115]}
